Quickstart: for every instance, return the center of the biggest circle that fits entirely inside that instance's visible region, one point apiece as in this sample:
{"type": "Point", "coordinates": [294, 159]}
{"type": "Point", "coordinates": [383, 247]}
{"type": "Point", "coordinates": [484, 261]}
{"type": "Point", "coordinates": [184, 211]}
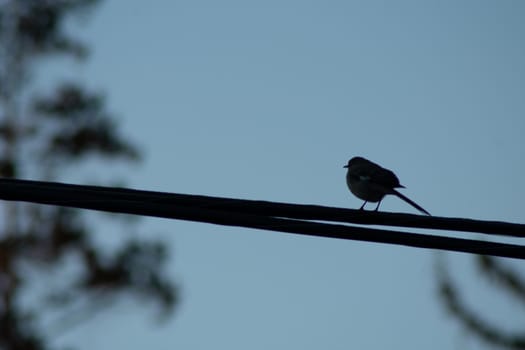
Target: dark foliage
{"type": "Point", "coordinates": [83, 125]}
{"type": "Point", "coordinates": [36, 134]}
{"type": "Point", "coordinates": [506, 279]}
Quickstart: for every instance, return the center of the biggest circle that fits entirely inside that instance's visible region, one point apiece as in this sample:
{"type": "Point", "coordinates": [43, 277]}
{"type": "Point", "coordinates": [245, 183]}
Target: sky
{"type": "Point", "coordinates": [268, 100]}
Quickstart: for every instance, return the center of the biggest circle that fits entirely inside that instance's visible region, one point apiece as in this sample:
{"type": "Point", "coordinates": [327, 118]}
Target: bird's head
{"type": "Point", "coordinates": [355, 160]}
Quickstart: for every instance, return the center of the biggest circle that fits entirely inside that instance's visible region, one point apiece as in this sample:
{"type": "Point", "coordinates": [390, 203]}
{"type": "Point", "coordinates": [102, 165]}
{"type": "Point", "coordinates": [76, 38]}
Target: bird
{"type": "Point", "coordinates": [371, 182]}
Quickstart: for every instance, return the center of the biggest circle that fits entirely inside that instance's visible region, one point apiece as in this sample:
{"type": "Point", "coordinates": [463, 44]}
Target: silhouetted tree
{"type": "Point", "coordinates": [39, 136]}
{"type": "Point", "coordinates": [476, 320]}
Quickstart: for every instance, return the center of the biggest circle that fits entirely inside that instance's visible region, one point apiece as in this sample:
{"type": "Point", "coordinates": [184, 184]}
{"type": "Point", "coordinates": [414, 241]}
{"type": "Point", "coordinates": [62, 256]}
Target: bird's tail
{"type": "Point", "coordinates": [409, 201]}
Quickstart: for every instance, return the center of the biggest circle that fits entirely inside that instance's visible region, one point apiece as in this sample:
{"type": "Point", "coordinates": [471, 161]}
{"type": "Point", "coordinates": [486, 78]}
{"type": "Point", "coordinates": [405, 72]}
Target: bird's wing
{"type": "Point", "coordinates": [373, 173]}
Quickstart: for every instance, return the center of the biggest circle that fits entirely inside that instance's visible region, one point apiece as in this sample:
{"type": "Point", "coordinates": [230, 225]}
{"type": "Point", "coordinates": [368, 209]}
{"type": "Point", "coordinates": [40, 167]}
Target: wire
{"type": "Point", "coordinates": [281, 217]}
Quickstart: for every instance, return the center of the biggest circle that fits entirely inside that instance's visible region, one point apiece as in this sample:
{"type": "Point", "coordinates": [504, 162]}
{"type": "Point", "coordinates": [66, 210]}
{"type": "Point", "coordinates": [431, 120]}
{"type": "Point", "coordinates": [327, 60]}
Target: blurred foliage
{"type": "Point", "coordinates": [83, 128]}
{"type": "Point", "coordinates": [506, 279]}
{"type": "Point", "coordinates": [39, 135]}
{"type": "Point", "coordinates": [39, 26]}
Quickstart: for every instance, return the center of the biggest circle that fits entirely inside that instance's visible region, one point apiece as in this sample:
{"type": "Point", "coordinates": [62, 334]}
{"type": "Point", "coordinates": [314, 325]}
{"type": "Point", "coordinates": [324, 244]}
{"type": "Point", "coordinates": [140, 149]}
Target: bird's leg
{"type": "Point", "coordinates": [377, 208]}
{"type": "Point", "coordinates": [363, 206]}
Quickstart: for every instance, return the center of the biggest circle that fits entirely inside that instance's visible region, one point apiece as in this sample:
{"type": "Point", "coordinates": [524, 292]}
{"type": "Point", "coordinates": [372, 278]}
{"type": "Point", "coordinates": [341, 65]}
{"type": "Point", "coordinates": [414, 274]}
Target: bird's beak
{"type": "Point", "coordinates": [346, 166]}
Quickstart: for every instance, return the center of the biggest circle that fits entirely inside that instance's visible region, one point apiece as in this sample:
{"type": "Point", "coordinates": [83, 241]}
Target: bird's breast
{"type": "Point", "coordinates": [364, 189]}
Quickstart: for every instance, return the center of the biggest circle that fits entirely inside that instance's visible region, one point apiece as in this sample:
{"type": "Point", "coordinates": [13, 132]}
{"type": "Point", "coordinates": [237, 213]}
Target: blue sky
{"type": "Point", "coordinates": [268, 100]}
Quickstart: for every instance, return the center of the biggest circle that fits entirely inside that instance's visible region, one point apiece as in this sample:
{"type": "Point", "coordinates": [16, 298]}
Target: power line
{"type": "Point", "coordinates": [272, 216]}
